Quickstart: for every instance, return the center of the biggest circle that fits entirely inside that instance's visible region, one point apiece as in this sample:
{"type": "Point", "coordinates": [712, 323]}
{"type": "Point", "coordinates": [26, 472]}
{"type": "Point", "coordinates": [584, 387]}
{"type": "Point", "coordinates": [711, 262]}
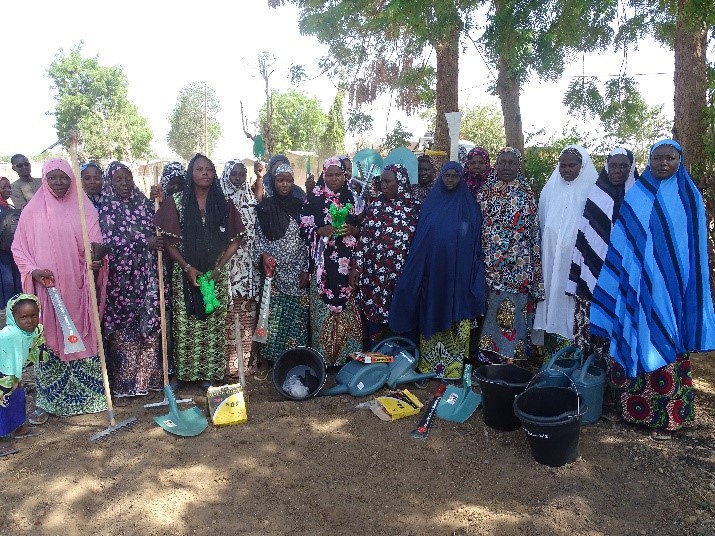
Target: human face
{"type": "Point", "coordinates": [618, 169]}
{"type": "Point", "coordinates": [22, 167]}
{"type": "Point", "coordinates": [388, 184]}
{"type": "Point", "coordinates": [176, 184]}
{"type": "Point", "coordinates": [27, 316]}
{"type": "Point", "coordinates": [507, 166]}
{"type": "Point", "coordinates": [348, 166]}
{"type": "Point", "coordinates": [58, 181]}
{"type": "Point", "coordinates": [5, 189]}
{"type": "Point", "coordinates": [203, 173]}
{"type": "Point", "coordinates": [569, 166]}
{"type": "Point", "coordinates": [283, 184]}
{"type": "Point", "coordinates": [92, 181]}
{"type": "Point", "coordinates": [310, 183]}
{"type": "Point", "coordinates": [238, 175]}
{"type": "Point", "coordinates": [123, 183]}
{"type": "Point", "coordinates": [664, 162]}
{"type": "Point", "coordinates": [477, 165]}
{"type": "Point", "coordinates": [425, 173]}
{"type": "Point", "coordinates": [450, 178]}
{"type": "Point", "coordinates": [334, 178]}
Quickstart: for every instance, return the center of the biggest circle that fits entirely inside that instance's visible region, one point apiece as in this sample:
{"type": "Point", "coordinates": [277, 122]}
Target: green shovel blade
{"type": "Point", "coordinates": [187, 423]}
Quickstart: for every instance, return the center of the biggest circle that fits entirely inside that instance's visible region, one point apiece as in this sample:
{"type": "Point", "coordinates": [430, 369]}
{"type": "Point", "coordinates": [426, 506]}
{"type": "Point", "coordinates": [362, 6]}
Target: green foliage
{"type": "Point", "coordinates": [399, 137]}
{"type": "Point", "coordinates": [483, 125]}
{"type": "Point", "coordinates": [333, 138]}
{"type": "Point", "coordinates": [540, 161]}
{"type": "Point", "coordinates": [359, 122]}
{"type": "Point", "coordinates": [93, 98]}
{"type": "Point", "coordinates": [626, 119]}
{"type": "Point", "coordinates": [298, 121]}
{"type": "Point", "coordinates": [186, 132]}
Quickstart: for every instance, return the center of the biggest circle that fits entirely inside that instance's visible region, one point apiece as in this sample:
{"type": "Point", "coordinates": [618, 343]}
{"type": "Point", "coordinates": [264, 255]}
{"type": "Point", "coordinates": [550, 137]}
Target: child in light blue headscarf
{"type": "Point", "coordinates": [20, 344]}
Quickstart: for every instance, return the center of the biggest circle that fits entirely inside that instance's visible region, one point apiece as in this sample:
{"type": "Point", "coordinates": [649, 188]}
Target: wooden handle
{"type": "Point", "coordinates": [162, 296]}
{"type": "Point", "coordinates": [74, 138]}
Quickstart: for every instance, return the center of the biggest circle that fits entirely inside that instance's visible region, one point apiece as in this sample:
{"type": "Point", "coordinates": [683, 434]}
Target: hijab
{"type": "Point", "coordinates": [17, 345]}
{"type": "Point", "coordinates": [95, 198]}
{"type": "Point", "coordinates": [475, 181]}
{"type": "Point", "coordinates": [269, 178]}
{"type": "Point", "coordinates": [276, 212]}
{"type": "Point", "coordinates": [561, 205]}
{"type": "Point", "coordinates": [652, 298]}
{"type": "Point", "coordinates": [443, 279]}
{"type": "Point", "coordinates": [4, 202]}
{"type": "Point", "coordinates": [600, 213]}
{"type": "Point", "coordinates": [48, 222]}
{"type": "Point", "coordinates": [172, 170]}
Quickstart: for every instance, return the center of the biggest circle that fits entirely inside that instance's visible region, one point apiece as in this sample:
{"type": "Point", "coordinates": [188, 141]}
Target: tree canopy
{"type": "Point", "coordinates": [332, 139]}
{"type": "Point", "coordinates": [484, 126]}
{"type": "Point", "coordinates": [93, 98]}
{"type": "Point", "coordinates": [298, 121]}
{"type": "Point", "coordinates": [186, 133]}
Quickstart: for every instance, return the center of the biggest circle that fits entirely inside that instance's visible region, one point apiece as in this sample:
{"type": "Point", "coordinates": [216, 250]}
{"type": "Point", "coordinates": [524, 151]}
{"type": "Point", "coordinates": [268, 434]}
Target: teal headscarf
{"type": "Point", "coordinates": [17, 347]}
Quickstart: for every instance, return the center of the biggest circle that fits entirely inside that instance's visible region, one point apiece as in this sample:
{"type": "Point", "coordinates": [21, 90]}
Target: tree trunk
{"type": "Point", "coordinates": [447, 93]}
{"type": "Point", "coordinates": [690, 89]}
{"type": "Point", "coordinates": [509, 89]}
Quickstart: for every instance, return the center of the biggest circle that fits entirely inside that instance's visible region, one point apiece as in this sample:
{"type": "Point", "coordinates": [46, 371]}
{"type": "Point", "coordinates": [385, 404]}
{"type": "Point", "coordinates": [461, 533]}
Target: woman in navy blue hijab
{"type": "Point", "coordinates": [442, 287]}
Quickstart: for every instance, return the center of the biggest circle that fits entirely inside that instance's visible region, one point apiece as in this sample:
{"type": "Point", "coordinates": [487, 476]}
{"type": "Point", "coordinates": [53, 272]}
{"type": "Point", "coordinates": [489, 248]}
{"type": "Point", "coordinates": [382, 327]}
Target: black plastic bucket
{"type": "Point", "coordinates": [551, 417]}
{"type": "Point", "coordinates": [303, 362]}
{"type": "Point", "coordinates": [499, 385]}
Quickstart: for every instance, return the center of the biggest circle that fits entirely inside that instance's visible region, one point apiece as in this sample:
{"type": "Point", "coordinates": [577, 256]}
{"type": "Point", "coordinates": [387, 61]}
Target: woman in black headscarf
{"type": "Point", "coordinates": [202, 231]}
{"type": "Point", "coordinates": [281, 251]}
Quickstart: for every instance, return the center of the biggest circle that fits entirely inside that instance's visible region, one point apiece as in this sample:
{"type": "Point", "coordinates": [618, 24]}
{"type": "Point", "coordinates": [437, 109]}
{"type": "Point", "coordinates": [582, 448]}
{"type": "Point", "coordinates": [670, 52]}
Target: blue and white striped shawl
{"type": "Point", "coordinates": [653, 297]}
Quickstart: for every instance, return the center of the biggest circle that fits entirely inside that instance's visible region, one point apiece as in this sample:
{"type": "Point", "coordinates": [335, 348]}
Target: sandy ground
{"type": "Point", "coordinates": [321, 467]}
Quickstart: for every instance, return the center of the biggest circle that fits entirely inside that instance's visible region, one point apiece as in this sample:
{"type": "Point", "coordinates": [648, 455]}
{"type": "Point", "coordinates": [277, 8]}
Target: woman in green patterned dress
{"type": "Point", "coordinates": [202, 232]}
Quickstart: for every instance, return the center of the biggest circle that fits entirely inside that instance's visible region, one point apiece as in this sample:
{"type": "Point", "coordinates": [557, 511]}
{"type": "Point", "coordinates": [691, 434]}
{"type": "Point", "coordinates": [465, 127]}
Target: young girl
{"type": "Point", "coordinates": [20, 343]}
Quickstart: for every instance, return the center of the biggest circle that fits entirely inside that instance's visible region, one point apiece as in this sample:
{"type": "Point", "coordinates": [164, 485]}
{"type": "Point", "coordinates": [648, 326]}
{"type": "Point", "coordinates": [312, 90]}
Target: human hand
{"type": "Point", "coordinates": [95, 265]}
{"type": "Point", "coordinates": [44, 277]}
{"type": "Point", "coordinates": [269, 264]}
{"type": "Point", "coordinates": [156, 193]}
{"type": "Point", "coordinates": [155, 242]}
{"type": "Point", "coordinates": [303, 280]}
{"type": "Point", "coordinates": [349, 230]}
{"type": "Point", "coordinates": [326, 230]}
{"type": "Point", "coordinates": [354, 278]}
{"type": "Point", "coordinates": [192, 273]}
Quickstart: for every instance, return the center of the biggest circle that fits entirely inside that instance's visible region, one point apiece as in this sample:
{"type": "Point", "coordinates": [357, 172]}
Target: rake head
{"type": "Point", "coordinates": [107, 432]}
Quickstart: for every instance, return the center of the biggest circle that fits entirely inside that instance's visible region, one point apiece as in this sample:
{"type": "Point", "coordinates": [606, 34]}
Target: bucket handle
{"type": "Point", "coordinates": [561, 353]}
{"type": "Point", "coordinates": [573, 387]}
{"type": "Point", "coordinates": [584, 368]}
{"type": "Point", "coordinates": [406, 343]}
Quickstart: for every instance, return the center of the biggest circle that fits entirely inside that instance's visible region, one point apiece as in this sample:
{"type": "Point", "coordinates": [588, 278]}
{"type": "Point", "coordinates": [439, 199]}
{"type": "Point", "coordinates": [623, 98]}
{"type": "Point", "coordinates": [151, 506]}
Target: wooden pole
{"type": "Point", "coordinates": [74, 140]}
{"type": "Point", "coordinates": [162, 296]}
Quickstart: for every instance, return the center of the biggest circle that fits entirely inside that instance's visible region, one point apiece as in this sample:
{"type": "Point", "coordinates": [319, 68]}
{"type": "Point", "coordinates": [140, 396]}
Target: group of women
{"type": "Point", "coordinates": [466, 260]}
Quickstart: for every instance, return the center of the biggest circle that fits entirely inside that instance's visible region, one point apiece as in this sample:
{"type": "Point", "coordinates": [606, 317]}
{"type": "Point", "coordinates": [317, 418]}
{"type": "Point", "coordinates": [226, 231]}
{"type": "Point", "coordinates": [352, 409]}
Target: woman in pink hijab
{"type": "Point", "coordinates": [48, 247]}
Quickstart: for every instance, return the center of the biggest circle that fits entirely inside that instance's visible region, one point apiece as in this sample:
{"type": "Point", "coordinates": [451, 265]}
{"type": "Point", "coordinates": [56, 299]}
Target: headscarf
{"type": "Point", "coordinates": [4, 202]}
{"type": "Point", "coordinates": [442, 281]}
{"type": "Point", "coordinates": [269, 177]}
{"type": "Point", "coordinates": [49, 236]}
{"type": "Point", "coordinates": [242, 273]}
{"type": "Point", "coordinates": [600, 213]}
{"type": "Point", "coordinates": [653, 294]}
{"type": "Point", "coordinates": [561, 205]}
{"type": "Point", "coordinates": [133, 284]}
{"type": "Point", "coordinates": [276, 212]}
{"type": "Point", "coordinates": [385, 238]}
{"type": "Point", "coordinates": [18, 347]}
{"type": "Point", "coordinates": [172, 170]}
{"type": "Point", "coordinates": [333, 256]}
{"type": "Point", "coordinates": [475, 181]}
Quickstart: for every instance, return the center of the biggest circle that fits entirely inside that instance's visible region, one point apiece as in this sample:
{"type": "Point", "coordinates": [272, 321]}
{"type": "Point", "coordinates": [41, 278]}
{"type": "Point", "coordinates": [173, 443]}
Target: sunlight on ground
{"type": "Point", "coordinates": [333, 425]}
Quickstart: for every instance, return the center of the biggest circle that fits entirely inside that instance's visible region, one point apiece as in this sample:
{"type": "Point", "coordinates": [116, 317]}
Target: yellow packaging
{"type": "Point", "coordinates": [398, 404]}
{"type": "Point", "coordinates": [227, 405]}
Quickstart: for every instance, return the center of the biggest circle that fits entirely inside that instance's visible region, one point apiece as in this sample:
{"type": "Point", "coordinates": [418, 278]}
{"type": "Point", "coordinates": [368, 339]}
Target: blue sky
{"type": "Point", "coordinates": [164, 46]}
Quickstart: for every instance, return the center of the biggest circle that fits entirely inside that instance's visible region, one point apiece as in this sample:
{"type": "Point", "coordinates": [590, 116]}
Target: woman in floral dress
{"type": "Point", "coordinates": [385, 239]}
{"type": "Point", "coordinates": [512, 258]}
{"type": "Point", "coordinates": [335, 319]}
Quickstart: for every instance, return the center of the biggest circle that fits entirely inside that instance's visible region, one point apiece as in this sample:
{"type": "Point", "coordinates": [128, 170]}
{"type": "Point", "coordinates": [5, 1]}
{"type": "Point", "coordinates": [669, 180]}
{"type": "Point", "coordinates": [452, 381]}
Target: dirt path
{"type": "Point", "coordinates": [323, 468]}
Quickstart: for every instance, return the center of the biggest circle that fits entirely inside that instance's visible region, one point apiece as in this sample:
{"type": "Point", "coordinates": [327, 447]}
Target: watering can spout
{"type": "Point", "coordinates": [411, 377]}
{"type": "Point", "coordinates": [339, 389]}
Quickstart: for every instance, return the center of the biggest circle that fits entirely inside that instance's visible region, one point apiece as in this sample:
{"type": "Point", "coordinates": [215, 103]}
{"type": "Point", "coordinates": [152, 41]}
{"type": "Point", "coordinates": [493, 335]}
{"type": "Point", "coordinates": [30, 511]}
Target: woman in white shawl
{"type": "Point", "coordinates": [561, 206]}
{"type": "Point", "coordinates": [243, 277]}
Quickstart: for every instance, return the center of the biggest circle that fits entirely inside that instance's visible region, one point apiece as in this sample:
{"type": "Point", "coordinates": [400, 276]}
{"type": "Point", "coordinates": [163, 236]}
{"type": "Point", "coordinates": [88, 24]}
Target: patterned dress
{"type": "Point", "coordinates": [131, 320]}
{"type": "Point", "coordinates": [512, 258]}
{"type": "Point", "coordinates": [335, 318]}
{"type": "Point", "coordinates": [288, 321]}
{"type": "Point", "coordinates": [385, 239]}
{"type": "Point", "coordinates": [244, 279]}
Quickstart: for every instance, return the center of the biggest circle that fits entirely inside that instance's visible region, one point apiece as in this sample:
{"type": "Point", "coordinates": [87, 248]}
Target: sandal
{"type": "Point", "coordinates": [261, 375]}
{"type": "Point", "coordinates": [38, 417]}
{"type": "Point", "coordinates": [661, 435]}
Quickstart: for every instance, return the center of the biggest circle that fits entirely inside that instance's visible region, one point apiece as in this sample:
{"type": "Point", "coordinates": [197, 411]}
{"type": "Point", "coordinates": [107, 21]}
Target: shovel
{"type": "Point", "coordinates": [458, 403]}
{"type": "Point", "coordinates": [188, 422]}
